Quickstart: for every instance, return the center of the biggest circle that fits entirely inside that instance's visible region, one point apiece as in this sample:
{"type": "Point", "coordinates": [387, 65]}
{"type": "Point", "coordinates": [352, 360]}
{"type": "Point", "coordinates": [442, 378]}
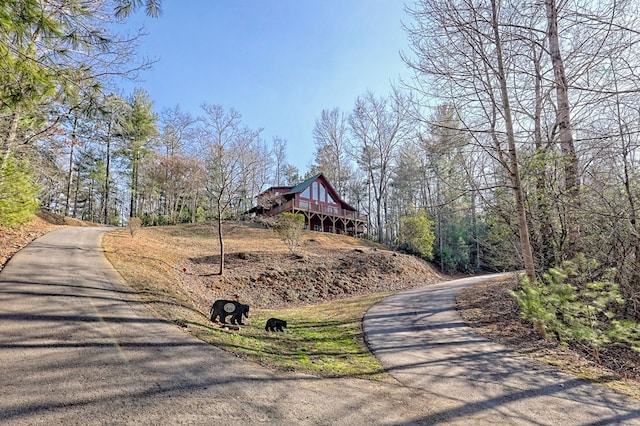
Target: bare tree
{"type": "Point", "coordinates": [231, 156]}
{"type": "Point", "coordinates": [565, 131]}
{"type": "Point", "coordinates": [331, 134]}
{"type": "Point", "coordinates": [170, 180]}
{"type": "Point", "coordinates": [460, 53]}
{"type": "Point", "coordinates": [379, 127]}
{"type": "Point", "coordinates": [177, 131]}
{"type": "Point", "coordinates": [279, 154]}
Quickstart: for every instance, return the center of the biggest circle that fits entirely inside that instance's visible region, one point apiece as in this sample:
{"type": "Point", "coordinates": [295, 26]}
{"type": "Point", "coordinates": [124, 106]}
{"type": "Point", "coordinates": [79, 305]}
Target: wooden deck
{"type": "Point", "coordinates": [310, 207]}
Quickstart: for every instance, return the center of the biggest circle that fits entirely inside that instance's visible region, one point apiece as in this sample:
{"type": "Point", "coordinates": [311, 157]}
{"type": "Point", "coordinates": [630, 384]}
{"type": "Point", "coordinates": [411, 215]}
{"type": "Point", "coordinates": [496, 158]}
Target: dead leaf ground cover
{"type": "Point", "coordinates": [493, 313]}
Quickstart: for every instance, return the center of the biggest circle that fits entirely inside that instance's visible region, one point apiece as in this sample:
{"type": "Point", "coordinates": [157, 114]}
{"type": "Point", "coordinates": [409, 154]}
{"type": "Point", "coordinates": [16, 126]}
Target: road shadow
{"type": "Point", "coordinates": [421, 341]}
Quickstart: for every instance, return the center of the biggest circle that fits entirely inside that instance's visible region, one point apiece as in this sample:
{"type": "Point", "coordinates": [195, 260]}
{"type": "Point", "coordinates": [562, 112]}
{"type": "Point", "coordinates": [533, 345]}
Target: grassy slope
{"type": "Point", "coordinates": [323, 293]}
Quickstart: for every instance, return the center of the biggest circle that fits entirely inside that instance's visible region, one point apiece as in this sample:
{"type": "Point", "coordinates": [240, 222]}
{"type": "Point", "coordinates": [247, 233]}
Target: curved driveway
{"type": "Point", "coordinates": [76, 347]}
{"type": "Point", "coordinates": [422, 341]}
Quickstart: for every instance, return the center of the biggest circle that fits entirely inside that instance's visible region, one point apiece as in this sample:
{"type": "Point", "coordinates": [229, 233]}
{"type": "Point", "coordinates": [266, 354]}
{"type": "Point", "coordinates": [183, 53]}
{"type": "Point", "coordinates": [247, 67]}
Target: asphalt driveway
{"type": "Point", "coordinates": [422, 341]}
{"type": "Point", "coordinates": [77, 347]}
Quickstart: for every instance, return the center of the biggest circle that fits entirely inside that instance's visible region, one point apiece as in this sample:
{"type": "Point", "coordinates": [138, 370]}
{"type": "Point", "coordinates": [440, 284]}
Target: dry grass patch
{"type": "Point", "coordinates": [325, 339]}
{"type": "Point", "coordinates": [322, 295]}
{"type": "Point", "coordinates": [148, 266]}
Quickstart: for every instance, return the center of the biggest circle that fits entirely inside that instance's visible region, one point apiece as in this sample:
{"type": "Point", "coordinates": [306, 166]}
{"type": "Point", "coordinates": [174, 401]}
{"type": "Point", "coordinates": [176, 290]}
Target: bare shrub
{"type": "Point", "coordinates": [134, 225]}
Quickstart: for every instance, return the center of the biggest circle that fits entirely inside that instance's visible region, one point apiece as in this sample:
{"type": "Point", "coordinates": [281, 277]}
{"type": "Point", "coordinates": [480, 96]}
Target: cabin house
{"type": "Point", "coordinates": [320, 204]}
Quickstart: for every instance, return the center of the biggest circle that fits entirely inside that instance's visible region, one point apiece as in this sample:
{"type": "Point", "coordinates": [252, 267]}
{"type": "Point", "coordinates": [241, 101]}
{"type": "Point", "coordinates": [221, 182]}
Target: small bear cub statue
{"type": "Point", "coordinates": [275, 324]}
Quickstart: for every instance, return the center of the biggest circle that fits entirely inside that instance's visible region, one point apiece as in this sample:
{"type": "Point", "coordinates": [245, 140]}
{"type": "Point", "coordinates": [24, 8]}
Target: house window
{"type": "Point", "coordinates": [315, 191]}
{"type": "Point", "coordinates": [304, 204]}
{"type": "Point", "coordinates": [306, 193]}
{"type": "Point", "coordinates": [317, 228]}
{"type": "Point", "coordinates": [330, 199]}
{"type": "Point", "coordinates": [323, 193]}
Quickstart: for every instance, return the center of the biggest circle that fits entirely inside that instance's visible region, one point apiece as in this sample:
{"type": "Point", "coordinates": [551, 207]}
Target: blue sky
{"type": "Point", "coordinates": [278, 62]}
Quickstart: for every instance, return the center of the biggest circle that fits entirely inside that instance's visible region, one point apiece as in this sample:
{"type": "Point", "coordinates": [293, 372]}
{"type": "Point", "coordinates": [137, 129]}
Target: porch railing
{"type": "Point", "coordinates": [312, 207]}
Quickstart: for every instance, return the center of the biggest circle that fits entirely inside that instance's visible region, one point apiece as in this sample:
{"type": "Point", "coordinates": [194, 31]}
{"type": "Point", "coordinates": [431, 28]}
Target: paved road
{"type": "Point", "coordinates": [77, 347]}
{"type": "Point", "coordinates": [422, 341]}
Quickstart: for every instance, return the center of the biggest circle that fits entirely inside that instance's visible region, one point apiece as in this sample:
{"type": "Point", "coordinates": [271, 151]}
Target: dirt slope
{"type": "Point", "coordinates": [13, 239]}
{"type": "Point", "coordinates": [260, 270]}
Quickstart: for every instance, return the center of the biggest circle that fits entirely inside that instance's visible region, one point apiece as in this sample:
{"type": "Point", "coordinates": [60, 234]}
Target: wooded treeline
{"type": "Point", "coordinates": [517, 136]}
{"type": "Point", "coordinates": [544, 107]}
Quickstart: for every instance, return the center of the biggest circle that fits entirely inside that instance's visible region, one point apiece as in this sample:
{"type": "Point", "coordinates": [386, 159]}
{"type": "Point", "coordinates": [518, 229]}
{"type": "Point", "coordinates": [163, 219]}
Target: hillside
{"type": "Point", "coordinates": [13, 239]}
{"type": "Point", "coordinates": [259, 269]}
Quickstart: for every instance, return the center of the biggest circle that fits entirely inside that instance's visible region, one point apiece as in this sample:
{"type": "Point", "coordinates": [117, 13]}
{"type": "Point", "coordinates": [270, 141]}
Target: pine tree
{"type": "Point", "coordinates": [577, 302]}
{"type": "Point", "coordinates": [17, 193]}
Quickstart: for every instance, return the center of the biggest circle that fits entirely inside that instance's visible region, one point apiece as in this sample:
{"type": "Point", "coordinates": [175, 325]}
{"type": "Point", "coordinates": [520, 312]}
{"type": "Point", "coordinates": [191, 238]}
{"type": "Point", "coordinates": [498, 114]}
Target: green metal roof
{"type": "Point", "coordinates": [303, 185]}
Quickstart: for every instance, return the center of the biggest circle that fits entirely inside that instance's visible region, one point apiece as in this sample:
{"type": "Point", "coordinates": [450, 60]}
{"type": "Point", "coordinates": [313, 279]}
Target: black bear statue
{"type": "Point", "coordinates": [223, 308]}
{"type": "Point", "coordinates": [275, 324]}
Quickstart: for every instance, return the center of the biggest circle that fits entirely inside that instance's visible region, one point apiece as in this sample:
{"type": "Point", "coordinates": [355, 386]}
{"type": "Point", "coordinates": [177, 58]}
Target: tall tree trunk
{"type": "Point", "coordinates": [565, 136]}
{"type": "Point", "coordinates": [514, 171]}
{"type": "Point", "coordinates": [379, 220]}
{"type": "Point", "coordinates": [474, 230]}
{"type": "Point", "coordinates": [194, 206]}
{"type": "Point", "coordinates": [70, 175]}
{"type": "Point", "coordinates": [548, 253]}
{"type": "Point", "coordinates": [133, 206]}
{"type": "Point", "coordinates": [105, 198]}
{"type": "Point", "coordinates": [12, 135]}
{"type": "Point", "coordinates": [75, 195]}
{"type": "Point", "coordinates": [6, 148]}
{"type": "Point", "coordinates": [132, 191]}
{"type": "Point", "coordinates": [369, 225]}
{"type": "Point", "coordinates": [91, 216]}
{"type": "Point", "coordinates": [440, 217]}
{"type": "Point", "coordinates": [628, 184]}
{"type": "Point", "coordinates": [220, 238]}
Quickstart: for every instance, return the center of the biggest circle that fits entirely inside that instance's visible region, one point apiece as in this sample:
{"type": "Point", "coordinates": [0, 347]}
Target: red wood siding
{"type": "Point", "coordinates": [318, 201]}
{"type": "Point", "coordinates": [313, 207]}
